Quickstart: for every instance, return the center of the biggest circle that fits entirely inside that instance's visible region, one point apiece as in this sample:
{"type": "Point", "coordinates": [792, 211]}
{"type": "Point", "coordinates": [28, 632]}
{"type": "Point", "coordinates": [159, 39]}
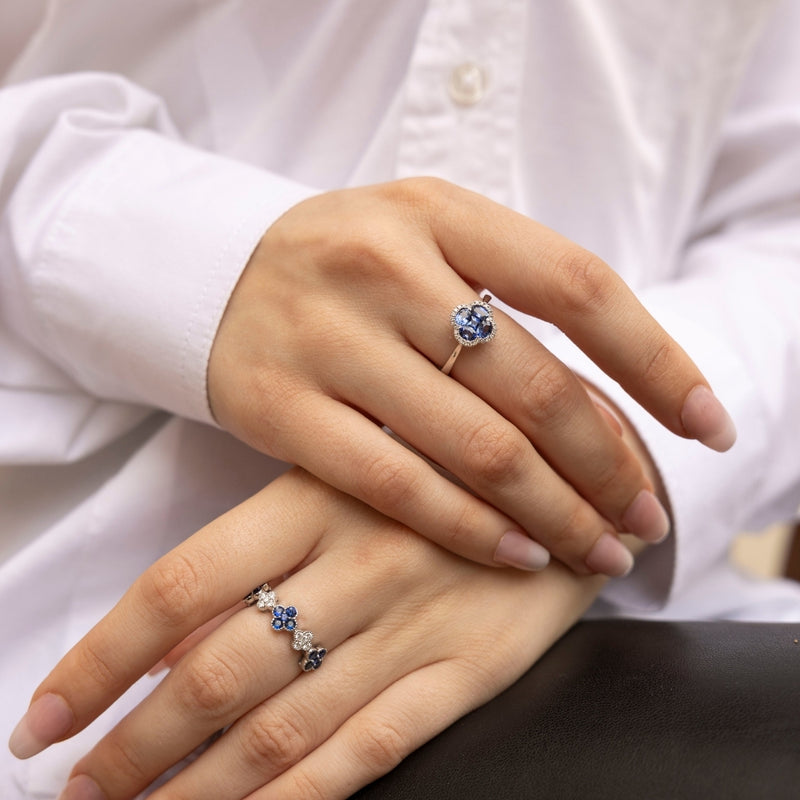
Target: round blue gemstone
{"type": "Point", "coordinates": [467, 334]}
{"type": "Point", "coordinates": [291, 611]}
{"type": "Point", "coordinates": [462, 317]}
{"type": "Point", "coordinates": [277, 624]}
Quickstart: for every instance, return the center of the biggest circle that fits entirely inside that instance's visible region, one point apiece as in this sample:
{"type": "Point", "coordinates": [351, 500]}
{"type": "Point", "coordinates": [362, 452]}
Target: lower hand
{"type": "Point", "coordinates": [416, 637]}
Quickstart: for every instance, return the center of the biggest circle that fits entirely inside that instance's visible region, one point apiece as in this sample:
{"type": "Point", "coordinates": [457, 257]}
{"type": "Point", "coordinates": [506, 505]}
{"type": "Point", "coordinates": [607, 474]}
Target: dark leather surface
{"type": "Point", "coordinates": [627, 709]}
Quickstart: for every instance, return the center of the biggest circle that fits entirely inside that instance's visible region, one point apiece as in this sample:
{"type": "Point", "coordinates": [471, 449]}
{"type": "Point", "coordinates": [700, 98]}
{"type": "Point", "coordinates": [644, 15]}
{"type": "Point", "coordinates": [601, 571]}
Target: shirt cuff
{"type": "Point", "coordinates": [138, 265]}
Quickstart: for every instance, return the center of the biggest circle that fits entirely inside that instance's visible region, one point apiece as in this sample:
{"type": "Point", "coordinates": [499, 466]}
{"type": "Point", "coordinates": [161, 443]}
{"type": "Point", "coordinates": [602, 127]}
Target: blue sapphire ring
{"type": "Point", "coordinates": [473, 324]}
{"type": "Point", "coordinates": [285, 618]}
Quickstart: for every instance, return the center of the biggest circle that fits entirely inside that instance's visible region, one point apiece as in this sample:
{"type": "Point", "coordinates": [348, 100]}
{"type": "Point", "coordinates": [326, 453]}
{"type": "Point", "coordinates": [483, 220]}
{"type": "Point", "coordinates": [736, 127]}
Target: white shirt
{"type": "Point", "coordinates": [146, 145]}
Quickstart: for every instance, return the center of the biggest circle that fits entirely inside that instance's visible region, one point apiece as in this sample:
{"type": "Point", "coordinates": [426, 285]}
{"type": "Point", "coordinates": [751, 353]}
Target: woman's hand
{"type": "Point", "coordinates": [341, 319]}
{"type": "Point", "coordinates": [416, 638]}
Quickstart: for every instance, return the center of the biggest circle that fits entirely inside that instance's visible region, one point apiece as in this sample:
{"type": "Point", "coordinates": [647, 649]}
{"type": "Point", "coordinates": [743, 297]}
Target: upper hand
{"type": "Point", "coordinates": [342, 318]}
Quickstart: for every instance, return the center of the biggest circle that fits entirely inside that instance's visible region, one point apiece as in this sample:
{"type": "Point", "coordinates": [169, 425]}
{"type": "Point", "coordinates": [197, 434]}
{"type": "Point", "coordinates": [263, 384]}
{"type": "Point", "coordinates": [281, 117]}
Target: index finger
{"type": "Point", "coordinates": [542, 273]}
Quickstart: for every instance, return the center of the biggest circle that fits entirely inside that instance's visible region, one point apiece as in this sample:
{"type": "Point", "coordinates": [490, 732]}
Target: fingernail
{"type": "Point", "coordinates": [82, 787]}
{"type": "Point", "coordinates": [647, 518]}
{"type": "Point", "coordinates": [610, 557]}
{"type": "Point", "coordinates": [518, 550]}
{"type": "Point", "coordinates": [705, 418]}
{"type": "Point", "coordinates": [47, 720]}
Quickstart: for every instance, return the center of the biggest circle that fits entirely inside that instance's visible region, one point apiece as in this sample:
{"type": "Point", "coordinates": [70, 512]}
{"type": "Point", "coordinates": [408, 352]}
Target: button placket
{"type": "Point", "coordinates": [462, 95]}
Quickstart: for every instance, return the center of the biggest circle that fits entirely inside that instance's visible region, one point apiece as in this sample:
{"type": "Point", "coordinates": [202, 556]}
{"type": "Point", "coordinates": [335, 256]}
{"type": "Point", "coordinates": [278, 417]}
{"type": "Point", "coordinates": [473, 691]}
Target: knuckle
{"type": "Point", "coordinates": [392, 553]}
{"type": "Point", "coordinates": [584, 282]}
{"type": "Point", "coordinates": [172, 589]}
{"type": "Point", "coordinates": [658, 362]}
{"type": "Point", "coordinates": [619, 470]}
{"type": "Point", "coordinates": [381, 745]}
{"type": "Point", "coordinates": [365, 250]}
{"type": "Point", "coordinates": [474, 674]}
{"type": "Point", "coordinates": [277, 741]}
{"type": "Point", "coordinates": [571, 536]}
{"type": "Point", "coordinates": [494, 452]}
{"type": "Point", "coordinates": [304, 786]}
{"type": "Point", "coordinates": [421, 199]}
{"type": "Point", "coordinates": [549, 393]}
{"type": "Point", "coordinates": [421, 190]}
{"type": "Point", "coordinates": [391, 481]}
{"type": "Point", "coordinates": [462, 529]}
{"type": "Point", "coordinates": [209, 687]}
{"type": "Point", "coordinates": [128, 769]}
{"type": "Point", "coordinates": [95, 665]}
{"type": "Point", "coordinates": [360, 248]}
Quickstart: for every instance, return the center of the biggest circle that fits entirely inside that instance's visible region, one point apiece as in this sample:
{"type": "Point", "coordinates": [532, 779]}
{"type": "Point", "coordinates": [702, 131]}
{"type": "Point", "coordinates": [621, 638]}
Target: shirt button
{"type": "Point", "coordinates": [467, 84]}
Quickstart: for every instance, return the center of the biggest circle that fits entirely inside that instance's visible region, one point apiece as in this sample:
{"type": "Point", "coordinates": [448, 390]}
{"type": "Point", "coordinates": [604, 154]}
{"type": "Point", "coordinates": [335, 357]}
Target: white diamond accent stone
{"type": "Point", "coordinates": [266, 600]}
{"type": "Point", "coordinates": [302, 639]}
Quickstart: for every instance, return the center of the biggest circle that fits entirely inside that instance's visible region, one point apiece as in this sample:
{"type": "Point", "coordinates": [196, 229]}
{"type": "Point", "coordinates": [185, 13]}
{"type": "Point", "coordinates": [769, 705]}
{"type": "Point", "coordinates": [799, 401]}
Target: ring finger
{"type": "Point", "coordinates": [226, 675]}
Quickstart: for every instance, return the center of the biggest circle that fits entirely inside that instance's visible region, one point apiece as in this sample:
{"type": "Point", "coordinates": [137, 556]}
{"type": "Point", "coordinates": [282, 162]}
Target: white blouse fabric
{"type": "Point", "coordinates": [145, 145]}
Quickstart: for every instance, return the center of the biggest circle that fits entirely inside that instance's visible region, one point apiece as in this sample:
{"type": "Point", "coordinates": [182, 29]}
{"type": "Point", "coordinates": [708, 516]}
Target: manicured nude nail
{"type": "Point", "coordinates": [82, 787]}
{"type": "Point", "coordinates": [610, 557]}
{"type": "Point", "coordinates": [518, 550]}
{"type": "Point", "coordinates": [47, 720]}
{"type": "Point", "coordinates": [646, 518]}
{"type": "Point", "coordinates": [705, 418]}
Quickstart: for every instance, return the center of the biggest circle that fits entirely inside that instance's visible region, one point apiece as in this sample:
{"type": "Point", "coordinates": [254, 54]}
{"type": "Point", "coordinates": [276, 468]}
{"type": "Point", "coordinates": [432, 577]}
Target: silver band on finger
{"type": "Point", "coordinates": [473, 324]}
{"type": "Point", "coordinates": [285, 618]}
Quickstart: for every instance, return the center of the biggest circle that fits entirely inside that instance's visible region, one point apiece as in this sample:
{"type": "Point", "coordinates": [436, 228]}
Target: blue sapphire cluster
{"type": "Point", "coordinates": [473, 324]}
{"type": "Point", "coordinates": [313, 659]}
{"type": "Point", "coordinates": [284, 619]}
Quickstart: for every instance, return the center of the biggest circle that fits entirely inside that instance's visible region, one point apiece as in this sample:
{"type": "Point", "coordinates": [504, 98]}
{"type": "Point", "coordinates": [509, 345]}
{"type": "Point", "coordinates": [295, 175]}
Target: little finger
{"type": "Point", "coordinates": [377, 738]}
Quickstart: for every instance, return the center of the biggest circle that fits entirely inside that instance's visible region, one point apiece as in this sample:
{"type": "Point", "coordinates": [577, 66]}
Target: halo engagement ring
{"type": "Point", "coordinates": [285, 618]}
{"type": "Point", "coordinates": [472, 324]}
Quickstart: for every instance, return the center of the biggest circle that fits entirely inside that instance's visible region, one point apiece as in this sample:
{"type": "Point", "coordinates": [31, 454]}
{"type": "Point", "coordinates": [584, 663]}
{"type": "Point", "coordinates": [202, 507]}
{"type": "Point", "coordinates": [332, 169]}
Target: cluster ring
{"type": "Point", "coordinates": [285, 618]}
{"type": "Point", "coordinates": [473, 323]}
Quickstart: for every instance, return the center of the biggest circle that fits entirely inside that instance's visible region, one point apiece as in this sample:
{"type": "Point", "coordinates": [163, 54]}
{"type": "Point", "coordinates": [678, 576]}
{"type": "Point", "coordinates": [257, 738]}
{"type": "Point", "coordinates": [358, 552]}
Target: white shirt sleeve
{"type": "Point", "coordinates": [119, 248]}
{"type": "Point", "coordinates": [735, 308]}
